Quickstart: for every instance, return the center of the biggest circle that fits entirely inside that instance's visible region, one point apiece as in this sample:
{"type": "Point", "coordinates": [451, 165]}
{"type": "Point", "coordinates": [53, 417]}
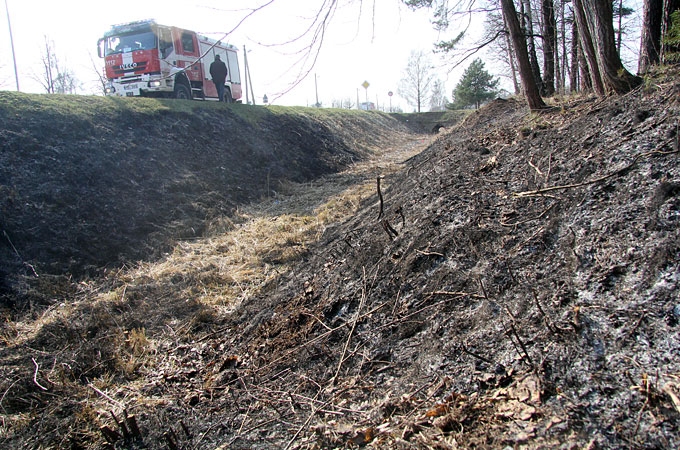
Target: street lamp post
{"type": "Point", "coordinates": [11, 40]}
{"type": "Point", "coordinates": [248, 80]}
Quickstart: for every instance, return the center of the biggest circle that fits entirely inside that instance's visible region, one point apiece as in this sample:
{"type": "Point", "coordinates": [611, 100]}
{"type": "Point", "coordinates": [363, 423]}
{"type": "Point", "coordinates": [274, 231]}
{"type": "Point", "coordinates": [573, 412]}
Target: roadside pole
{"type": "Point", "coordinates": [11, 40]}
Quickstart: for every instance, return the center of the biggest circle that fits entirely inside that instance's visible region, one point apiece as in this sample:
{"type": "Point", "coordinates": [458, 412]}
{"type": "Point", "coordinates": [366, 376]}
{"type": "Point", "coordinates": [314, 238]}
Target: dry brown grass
{"type": "Point", "coordinates": [224, 269]}
{"type": "Point", "coordinates": [248, 251]}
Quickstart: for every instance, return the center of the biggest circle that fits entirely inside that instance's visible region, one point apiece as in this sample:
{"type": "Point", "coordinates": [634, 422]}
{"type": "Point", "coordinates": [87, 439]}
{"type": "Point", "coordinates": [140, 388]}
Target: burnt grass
{"type": "Point", "coordinates": [515, 285]}
{"type": "Point", "coordinates": [88, 183]}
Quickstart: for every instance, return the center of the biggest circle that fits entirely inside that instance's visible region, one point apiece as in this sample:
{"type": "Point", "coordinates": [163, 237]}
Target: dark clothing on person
{"type": "Point", "coordinates": [218, 72]}
{"type": "Point", "coordinates": [220, 92]}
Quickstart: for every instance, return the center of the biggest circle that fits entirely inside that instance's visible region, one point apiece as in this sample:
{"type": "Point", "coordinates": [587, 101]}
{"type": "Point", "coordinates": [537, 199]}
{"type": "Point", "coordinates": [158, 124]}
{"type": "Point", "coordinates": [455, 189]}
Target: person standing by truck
{"type": "Point", "coordinates": [218, 72]}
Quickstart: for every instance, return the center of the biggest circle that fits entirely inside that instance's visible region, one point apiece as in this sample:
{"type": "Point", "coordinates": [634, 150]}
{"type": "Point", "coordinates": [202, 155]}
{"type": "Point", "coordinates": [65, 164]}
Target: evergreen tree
{"type": "Point", "coordinates": [475, 87]}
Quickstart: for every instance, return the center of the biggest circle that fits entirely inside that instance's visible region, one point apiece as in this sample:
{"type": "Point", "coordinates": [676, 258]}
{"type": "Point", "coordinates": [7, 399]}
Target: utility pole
{"type": "Point", "coordinates": [11, 40]}
{"type": "Point", "coordinates": [250, 80]}
{"type": "Point", "coordinates": [245, 63]}
{"type": "Point", "coordinates": [247, 78]}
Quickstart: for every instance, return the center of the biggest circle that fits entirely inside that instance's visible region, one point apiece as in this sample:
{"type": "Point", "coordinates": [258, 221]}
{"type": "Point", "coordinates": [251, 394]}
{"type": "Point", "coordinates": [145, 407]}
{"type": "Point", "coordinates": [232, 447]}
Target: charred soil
{"type": "Point", "coordinates": [514, 284]}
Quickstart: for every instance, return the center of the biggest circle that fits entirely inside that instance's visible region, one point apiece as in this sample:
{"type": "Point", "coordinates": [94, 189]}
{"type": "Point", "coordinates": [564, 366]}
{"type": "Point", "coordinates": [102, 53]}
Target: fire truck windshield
{"type": "Point", "coordinates": [130, 42]}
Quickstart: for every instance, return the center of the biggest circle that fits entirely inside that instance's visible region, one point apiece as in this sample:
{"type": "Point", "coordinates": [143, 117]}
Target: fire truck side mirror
{"type": "Point", "coordinates": [100, 48]}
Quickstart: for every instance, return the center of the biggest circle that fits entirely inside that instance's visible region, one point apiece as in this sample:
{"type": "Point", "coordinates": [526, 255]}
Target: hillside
{"type": "Point", "coordinates": [514, 284]}
{"type": "Point", "coordinates": [88, 183]}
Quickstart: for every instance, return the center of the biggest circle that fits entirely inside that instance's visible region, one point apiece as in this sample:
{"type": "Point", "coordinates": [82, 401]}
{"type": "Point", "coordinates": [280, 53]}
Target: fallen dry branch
{"type": "Point", "coordinates": [314, 412]}
{"type": "Point", "coordinates": [475, 355]}
{"type": "Point", "coordinates": [351, 331]}
{"type": "Point", "coordinates": [317, 339]}
{"type": "Point", "coordinates": [456, 296]}
{"type": "Point", "coordinates": [530, 219]}
{"type": "Point", "coordinates": [380, 197]}
{"type": "Point", "coordinates": [617, 172]}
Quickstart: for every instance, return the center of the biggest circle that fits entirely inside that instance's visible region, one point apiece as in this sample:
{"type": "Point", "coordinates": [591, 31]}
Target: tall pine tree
{"type": "Point", "coordinates": [475, 87]}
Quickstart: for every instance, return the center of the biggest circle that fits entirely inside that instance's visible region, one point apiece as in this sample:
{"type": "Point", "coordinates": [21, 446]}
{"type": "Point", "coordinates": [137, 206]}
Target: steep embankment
{"type": "Point", "coordinates": [518, 287]}
{"type": "Point", "coordinates": [88, 182]}
{"type": "Point", "coordinates": [515, 285]}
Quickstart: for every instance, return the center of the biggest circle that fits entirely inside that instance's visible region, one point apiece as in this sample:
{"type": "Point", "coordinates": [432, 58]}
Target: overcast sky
{"type": "Point", "coordinates": [367, 41]}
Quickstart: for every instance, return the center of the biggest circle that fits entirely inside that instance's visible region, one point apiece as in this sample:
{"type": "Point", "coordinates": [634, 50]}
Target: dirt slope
{"type": "Point", "coordinates": [89, 182]}
{"type": "Point", "coordinates": [515, 285]}
{"type": "Point", "coordinates": [521, 289]}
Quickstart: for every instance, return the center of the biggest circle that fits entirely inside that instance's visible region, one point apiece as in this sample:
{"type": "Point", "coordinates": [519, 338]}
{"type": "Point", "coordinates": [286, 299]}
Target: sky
{"type": "Point", "coordinates": [366, 41]}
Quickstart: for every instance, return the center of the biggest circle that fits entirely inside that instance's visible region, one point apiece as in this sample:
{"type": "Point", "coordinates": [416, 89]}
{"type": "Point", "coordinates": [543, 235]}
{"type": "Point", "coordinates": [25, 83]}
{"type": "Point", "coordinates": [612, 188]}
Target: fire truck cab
{"type": "Point", "coordinates": [147, 59]}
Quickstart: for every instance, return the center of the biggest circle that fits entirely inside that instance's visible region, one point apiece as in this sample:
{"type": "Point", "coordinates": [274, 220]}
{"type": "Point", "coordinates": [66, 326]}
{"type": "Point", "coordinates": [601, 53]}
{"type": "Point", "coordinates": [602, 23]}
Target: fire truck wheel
{"type": "Point", "coordinates": [182, 92]}
{"type": "Point", "coordinates": [227, 96]}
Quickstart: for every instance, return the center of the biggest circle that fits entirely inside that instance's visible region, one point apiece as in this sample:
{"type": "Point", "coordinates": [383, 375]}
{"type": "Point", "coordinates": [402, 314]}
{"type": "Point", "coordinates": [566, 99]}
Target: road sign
{"type": "Point", "coordinates": [365, 84]}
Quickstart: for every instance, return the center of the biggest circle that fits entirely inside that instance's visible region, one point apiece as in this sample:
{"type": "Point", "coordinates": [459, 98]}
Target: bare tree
{"type": "Point", "coordinates": [343, 103]}
{"type": "Point", "coordinates": [101, 77]}
{"type": "Point", "coordinates": [527, 24]}
{"type": "Point", "coordinates": [596, 16]}
{"type": "Point", "coordinates": [55, 79]}
{"type": "Point", "coordinates": [565, 67]}
{"type": "Point", "coordinates": [549, 46]}
{"type": "Point", "coordinates": [502, 48]}
{"type": "Point", "coordinates": [529, 73]}
{"type": "Point", "coordinates": [417, 80]}
{"type": "Point", "coordinates": [438, 100]}
{"type": "Point", "coordinates": [621, 11]}
{"type": "Point", "coordinates": [650, 45]}
{"type": "Point", "coordinates": [576, 59]}
{"type": "Point", "coordinates": [529, 85]}
{"type": "Point", "coordinates": [588, 49]}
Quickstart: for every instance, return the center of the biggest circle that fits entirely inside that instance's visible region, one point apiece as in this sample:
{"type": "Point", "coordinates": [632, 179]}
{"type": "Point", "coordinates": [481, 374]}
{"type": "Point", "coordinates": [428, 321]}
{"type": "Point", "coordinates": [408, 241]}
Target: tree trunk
{"type": "Point", "coordinates": [527, 18]}
{"type": "Point", "coordinates": [588, 48]}
{"type": "Point", "coordinates": [565, 59]}
{"type": "Point", "coordinates": [586, 80]}
{"type": "Point", "coordinates": [600, 19]}
{"type": "Point", "coordinates": [549, 46]}
{"type": "Point", "coordinates": [669, 6]}
{"type": "Point", "coordinates": [650, 40]}
{"type": "Point", "coordinates": [513, 67]}
{"type": "Point", "coordinates": [574, 70]}
{"type": "Point", "coordinates": [519, 44]}
{"type": "Point", "coordinates": [619, 32]}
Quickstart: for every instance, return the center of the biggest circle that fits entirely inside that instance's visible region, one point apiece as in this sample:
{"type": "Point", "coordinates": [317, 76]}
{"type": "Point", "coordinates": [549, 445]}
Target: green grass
{"type": "Point", "coordinates": [91, 108]}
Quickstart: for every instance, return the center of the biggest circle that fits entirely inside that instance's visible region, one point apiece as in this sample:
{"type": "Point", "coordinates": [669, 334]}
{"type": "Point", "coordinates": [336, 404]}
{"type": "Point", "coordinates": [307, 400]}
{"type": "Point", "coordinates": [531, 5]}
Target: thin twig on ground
{"type": "Point", "coordinates": [351, 331]}
{"type": "Point", "coordinates": [620, 171]}
{"type": "Point", "coordinates": [380, 196]}
{"type": "Point", "coordinates": [35, 376]}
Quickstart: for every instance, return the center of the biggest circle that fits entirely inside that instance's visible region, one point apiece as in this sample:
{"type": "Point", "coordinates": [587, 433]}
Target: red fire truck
{"type": "Point", "coordinates": [148, 59]}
